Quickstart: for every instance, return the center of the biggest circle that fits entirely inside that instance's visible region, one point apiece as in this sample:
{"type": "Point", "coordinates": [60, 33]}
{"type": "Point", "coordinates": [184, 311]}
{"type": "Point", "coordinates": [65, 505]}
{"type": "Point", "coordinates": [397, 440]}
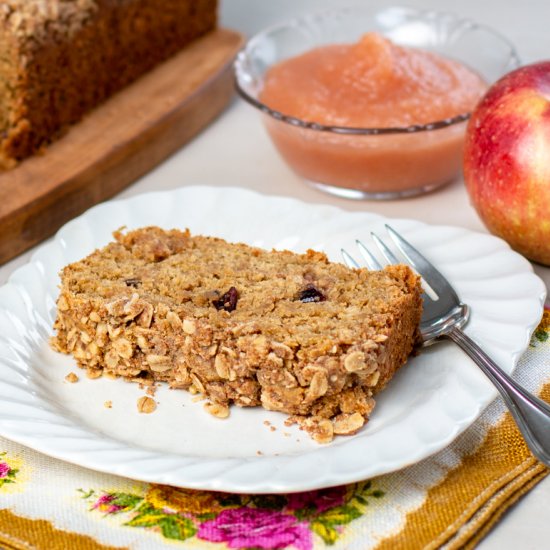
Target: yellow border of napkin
{"type": "Point", "coordinates": [491, 479]}
{"type": "Point", "coordinates": [18, 533]}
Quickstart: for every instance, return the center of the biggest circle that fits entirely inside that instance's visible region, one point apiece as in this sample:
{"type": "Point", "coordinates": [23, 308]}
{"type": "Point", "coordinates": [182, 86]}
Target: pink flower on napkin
{"type": "Point", "coordinates": [104, 504]}
{"type": "Point", "coordinates": [4, 469]}
{"type": "Point", "coordinates": [322, 499]}
{"type": "Point", "coordinates": [256, 528]}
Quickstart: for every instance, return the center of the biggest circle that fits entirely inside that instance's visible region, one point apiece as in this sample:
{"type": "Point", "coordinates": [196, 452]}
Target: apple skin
{"type": "Point", "coordinates": [507, 160]}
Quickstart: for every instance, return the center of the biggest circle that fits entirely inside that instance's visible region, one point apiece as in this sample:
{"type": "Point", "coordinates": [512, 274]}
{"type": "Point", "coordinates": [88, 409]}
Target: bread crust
{"type": "Point", "coordinates": [62, 58]}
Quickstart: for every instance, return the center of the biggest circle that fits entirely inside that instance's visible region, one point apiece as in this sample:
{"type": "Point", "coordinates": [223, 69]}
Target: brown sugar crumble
{"type": "Point", "coordinates": [71, 378]}
{"type": "Point", "coordinates": [298, 334]}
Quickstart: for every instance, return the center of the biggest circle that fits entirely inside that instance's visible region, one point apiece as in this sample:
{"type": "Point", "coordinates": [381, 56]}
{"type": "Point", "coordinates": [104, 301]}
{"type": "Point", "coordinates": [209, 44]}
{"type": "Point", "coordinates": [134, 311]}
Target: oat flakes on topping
{"type": "Point", "coordinates": [146, 405]}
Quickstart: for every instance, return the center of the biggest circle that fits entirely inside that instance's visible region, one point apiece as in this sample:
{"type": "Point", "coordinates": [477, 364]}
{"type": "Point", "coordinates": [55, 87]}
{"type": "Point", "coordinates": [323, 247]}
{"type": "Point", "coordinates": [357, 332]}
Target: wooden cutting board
{"type": "Point", "coordinates": [117, 143]}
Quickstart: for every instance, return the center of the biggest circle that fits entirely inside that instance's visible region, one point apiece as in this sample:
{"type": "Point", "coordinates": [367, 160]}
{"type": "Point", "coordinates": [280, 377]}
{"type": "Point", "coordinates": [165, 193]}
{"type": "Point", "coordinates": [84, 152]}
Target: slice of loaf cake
{"type": "Point", "coordinates": [291, 332]}
{"type": "Point", "coordinates": [61, 58]}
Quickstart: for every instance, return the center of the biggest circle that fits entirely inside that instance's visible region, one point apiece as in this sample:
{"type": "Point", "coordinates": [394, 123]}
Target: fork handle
{"type": "Point", "coordinates": [531, 414]}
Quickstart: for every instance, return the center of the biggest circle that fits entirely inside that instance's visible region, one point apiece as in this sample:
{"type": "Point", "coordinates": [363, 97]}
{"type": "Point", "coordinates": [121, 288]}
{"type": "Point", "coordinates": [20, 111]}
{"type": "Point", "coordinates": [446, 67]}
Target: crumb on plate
{"type": "Point", "coordinates": [217, 410]}
{"type": "Point", "coordinates": [146, 405]}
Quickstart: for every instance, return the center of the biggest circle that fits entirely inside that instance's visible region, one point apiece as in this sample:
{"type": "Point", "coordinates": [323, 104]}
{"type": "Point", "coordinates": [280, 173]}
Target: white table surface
{"type": "Point", "coordinates": [234, 150]}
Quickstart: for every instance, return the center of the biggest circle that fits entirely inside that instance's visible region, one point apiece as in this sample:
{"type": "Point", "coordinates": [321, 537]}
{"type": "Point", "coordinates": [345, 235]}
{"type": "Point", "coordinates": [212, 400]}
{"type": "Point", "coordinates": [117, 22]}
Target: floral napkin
{"type": "Point", "coordinates": [450, 500]}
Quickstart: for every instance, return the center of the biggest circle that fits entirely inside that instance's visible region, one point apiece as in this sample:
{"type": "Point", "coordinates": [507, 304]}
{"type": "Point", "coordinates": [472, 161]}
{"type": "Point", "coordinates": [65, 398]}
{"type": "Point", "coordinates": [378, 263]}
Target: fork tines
{"type": "Point", "coordinates": [433, 281]}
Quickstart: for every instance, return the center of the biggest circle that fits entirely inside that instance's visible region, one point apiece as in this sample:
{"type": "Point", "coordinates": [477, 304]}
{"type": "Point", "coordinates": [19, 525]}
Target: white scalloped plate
{"type": "Point", "coordinates": [435, 397]}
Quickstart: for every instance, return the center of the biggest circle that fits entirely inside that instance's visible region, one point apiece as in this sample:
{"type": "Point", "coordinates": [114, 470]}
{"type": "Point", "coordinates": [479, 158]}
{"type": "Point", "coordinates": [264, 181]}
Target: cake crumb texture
{"type": "Point", "coordinates": [297, 334]}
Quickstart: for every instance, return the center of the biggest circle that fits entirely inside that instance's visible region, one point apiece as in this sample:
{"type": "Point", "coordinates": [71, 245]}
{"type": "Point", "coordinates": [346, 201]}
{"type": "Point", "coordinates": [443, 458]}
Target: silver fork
{"type": "Point", "coordinates": [444, 316]}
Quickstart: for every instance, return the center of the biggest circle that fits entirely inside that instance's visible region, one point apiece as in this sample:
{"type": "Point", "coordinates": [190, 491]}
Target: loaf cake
{"type": "Point", "coordinates": [61, 58]}
{"type": "Point", "coordinates": [241, 325]}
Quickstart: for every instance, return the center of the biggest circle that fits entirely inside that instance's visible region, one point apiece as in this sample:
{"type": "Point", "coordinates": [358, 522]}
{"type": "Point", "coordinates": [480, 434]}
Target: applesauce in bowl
{"type": "Point", "coordinates": [371, 104]}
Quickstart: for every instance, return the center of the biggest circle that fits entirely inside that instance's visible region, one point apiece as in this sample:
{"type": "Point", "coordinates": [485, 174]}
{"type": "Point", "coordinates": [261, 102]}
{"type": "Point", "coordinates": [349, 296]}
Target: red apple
{"type": "Point", "coordinates": [507, 160]}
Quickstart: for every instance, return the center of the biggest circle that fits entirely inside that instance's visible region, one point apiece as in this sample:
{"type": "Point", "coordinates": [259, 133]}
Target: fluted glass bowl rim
{"type": "Point", "coordinates": [513, 62]}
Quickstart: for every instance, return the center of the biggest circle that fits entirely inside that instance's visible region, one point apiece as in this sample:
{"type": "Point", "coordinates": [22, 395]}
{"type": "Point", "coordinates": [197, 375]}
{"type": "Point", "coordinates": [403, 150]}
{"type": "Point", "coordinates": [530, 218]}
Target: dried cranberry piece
{"type": "Point", "coordinates": [228, 301]}
{"type": "Point", "coordinates": [311, 294]}
{"type": "Point", "coordinates": [133, 282]}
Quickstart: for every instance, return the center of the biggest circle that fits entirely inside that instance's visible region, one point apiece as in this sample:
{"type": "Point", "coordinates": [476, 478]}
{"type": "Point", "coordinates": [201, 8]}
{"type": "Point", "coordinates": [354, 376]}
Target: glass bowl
{"type": "Point", "coordinates": [372, 163]}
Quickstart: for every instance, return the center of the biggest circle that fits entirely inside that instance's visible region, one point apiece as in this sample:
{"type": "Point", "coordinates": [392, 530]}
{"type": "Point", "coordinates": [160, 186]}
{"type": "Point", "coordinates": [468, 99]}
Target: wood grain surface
{"type": "Point", "coordinates": [117, 143]}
